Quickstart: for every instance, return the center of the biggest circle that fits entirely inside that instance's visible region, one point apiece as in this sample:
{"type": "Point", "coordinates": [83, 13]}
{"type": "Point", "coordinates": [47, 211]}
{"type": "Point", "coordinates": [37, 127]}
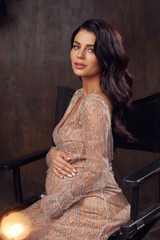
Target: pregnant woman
{"type": "Point", "coordinates": [83, 200]}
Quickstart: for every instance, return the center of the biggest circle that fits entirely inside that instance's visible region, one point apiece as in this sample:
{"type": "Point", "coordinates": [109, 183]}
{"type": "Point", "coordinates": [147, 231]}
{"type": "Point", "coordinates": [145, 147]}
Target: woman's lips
{"type": "Point", "coordinates": [79, 65]}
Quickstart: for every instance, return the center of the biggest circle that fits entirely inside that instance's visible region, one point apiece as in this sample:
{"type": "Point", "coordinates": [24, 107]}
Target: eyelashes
{"type": "Point", "coordinates": [76, 47]}
{"type": "Point", "coordinates": [91, 50]}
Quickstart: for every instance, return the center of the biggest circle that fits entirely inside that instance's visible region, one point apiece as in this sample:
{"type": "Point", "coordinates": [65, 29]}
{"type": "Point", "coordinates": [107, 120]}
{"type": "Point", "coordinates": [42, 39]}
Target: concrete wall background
{"type": "Point", "coordinates": [34, 59]}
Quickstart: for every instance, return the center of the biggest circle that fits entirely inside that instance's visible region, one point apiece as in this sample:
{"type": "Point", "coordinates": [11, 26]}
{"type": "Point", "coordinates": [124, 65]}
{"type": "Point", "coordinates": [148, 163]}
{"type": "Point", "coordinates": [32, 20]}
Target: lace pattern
{"type": "Point", "coordinates": [89, 205]}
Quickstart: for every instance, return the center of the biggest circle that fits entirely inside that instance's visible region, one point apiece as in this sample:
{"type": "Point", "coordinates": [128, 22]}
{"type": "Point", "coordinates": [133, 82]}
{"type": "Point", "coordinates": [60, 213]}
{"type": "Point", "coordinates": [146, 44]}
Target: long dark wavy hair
{"type": "Point", "coordinates": [116, 81]}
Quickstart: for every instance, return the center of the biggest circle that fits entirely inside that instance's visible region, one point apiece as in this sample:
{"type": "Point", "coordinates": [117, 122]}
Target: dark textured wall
{"type": "Point", "coordinates": [34, 59]}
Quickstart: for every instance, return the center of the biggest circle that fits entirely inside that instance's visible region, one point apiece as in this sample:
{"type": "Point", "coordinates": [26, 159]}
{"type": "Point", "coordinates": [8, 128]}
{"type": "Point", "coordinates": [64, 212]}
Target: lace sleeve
{"type": "Point", "coordinates": [95, 126]}
{"type": "Point", "coordinates": [48, 161]}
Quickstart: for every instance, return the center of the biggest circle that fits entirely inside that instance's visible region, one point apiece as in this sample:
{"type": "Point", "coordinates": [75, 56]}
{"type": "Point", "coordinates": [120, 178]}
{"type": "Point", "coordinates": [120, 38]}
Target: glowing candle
{"type": "Point", "coordinates": [15, 226]}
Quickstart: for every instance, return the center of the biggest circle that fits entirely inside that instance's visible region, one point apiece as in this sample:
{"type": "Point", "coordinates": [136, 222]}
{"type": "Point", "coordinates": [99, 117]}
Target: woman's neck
{"type": "Point", "coordinates": [90, 86]}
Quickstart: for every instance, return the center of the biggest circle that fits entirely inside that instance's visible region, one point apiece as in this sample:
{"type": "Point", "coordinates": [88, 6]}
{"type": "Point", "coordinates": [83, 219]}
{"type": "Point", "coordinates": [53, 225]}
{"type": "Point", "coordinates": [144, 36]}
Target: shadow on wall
{"type": "Point", "coordinates": [151, 18]}
{"type": "Point", "coordinates": [3, 7]}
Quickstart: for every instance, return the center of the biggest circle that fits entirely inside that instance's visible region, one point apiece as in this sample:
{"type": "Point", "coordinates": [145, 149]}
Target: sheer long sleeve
{"type": "Point", "coordinates": [48, 160]}
{"type": "Point", "coordinates": [96, 128]}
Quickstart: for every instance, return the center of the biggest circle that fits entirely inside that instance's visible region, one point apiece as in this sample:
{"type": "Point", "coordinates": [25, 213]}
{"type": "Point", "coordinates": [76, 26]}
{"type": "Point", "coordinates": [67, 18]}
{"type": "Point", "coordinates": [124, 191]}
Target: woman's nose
{"type": "Point", "coordinates": [81, 54]}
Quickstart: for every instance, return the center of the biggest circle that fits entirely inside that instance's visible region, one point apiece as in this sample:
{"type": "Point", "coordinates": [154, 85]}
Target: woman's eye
{"type": "Point", "coordinates": [91, 50]}
{"type": "Point", "coordinates": [75, 47]}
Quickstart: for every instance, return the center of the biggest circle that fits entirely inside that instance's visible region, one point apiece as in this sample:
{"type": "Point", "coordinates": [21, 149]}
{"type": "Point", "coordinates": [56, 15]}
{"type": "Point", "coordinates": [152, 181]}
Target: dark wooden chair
{"type": "Point", "coordinates": [145, 126]}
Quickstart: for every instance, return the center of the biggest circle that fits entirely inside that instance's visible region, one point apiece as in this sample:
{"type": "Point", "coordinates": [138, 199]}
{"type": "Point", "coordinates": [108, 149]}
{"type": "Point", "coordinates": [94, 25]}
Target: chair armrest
{"type": "Point", "coordinates": [143, 174]}
{"type": "Point", "coordinates": [17, 162]}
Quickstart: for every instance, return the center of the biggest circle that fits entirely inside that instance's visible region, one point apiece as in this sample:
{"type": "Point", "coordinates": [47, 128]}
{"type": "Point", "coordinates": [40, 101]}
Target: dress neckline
{"type": "Point", "coordinates": [66, 117]}
{"type": "Point", "coordinates": [78, 94]}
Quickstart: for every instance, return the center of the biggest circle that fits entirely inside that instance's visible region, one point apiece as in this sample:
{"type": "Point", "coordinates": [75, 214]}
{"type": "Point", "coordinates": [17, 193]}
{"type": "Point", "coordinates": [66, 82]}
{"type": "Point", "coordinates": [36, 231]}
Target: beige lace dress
{"type": "Point", "coordinates": [90, 205]}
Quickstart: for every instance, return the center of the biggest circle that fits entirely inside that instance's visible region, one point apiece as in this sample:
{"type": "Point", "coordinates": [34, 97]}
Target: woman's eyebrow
{"type": "Point", "coordinates": [88, 45]}
{"type": "Point", "coordinates": [76, 42]}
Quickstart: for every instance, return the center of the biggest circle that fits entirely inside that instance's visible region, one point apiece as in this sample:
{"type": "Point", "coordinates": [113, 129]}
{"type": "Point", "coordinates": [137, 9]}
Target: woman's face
{"type": "Point", "coordinates": [83, 58]}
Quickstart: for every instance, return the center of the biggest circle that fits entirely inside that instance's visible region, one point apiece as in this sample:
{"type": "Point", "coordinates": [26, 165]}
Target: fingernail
{"type": "Point", "coordinates": [61, 177]}
{"type": "Point", "coordinates": [68, 158]}
{"type": "Point", "coordinates": [74, 170]}
{"type": "Point", "coordinates": [73, 174]}
{"type": "Point", "coordinates": [69, 175]}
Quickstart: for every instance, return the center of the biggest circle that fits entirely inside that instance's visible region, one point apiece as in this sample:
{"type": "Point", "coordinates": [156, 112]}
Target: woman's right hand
{"type": "Point", "coordinates": [60, 164]}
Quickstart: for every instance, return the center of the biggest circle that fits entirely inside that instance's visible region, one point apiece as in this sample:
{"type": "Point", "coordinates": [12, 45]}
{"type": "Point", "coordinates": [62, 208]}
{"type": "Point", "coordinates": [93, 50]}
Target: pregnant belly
{"type": "Point", "coordinates": [54, 184]}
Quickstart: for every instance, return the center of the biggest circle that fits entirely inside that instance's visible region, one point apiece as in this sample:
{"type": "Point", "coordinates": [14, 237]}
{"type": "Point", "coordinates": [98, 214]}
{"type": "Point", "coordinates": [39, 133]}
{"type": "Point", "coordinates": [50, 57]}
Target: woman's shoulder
{"type": "Point", "coordinates": [79, 91]}
{"type": "Point", "coordinates": [99, 100]}
{"type": "Point", "coordinates": [76, 95]}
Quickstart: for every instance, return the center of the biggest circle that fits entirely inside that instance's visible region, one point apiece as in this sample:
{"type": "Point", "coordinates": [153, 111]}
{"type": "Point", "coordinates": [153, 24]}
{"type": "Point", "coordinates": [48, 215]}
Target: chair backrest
{"type": "Point", "coordinates": [144, 123]}
{"type": "Point", "coordinates": [64, 95]}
